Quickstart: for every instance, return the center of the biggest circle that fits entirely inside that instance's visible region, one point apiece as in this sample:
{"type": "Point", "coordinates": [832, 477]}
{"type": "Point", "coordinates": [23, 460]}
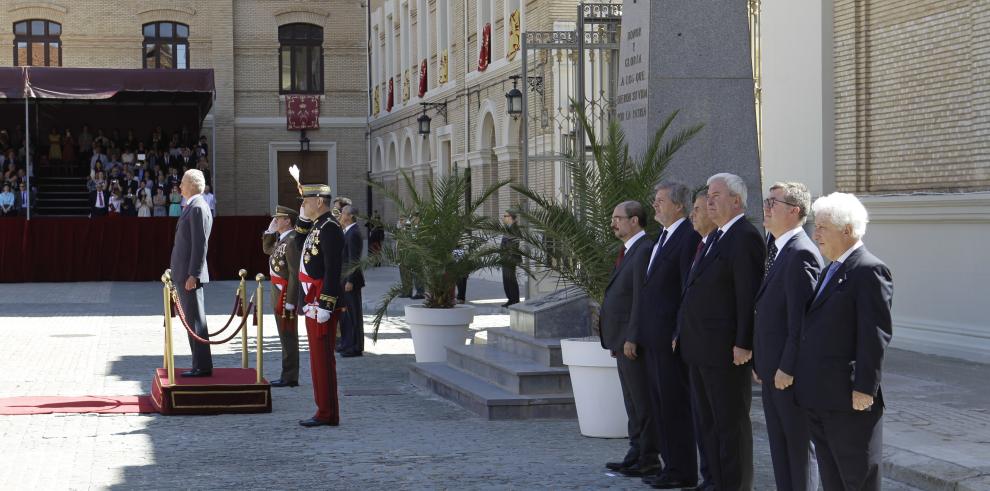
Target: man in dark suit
{"type": "Point", "coordinates": [793, 268]}
{"type": "Point", "coordinates": [24, 199]}
{"type": "Point", "coordinates": [279, 242]}
{"type": "Point", "coordinates": [716, 332]}
{"type": "Point", "coordinates": [628, 219]}
{"type": "Point", "coordinates": [352, 323]}
{"type": "Point", "coordinates": [510, 258]}
{"type": "Point", "coordinates": [189, 270]}
{"type": "Point", "coordinates": [99, 201]}
{"type": "Point", "coordinates": [846, 329]}
{"type": "Point", "coordinates": [654, 319]}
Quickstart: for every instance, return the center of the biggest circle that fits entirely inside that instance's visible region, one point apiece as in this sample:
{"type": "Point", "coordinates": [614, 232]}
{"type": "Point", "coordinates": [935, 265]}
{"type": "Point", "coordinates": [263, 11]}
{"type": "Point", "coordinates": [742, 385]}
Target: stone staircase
{"type": "Point", "coordinates": [514, 374]}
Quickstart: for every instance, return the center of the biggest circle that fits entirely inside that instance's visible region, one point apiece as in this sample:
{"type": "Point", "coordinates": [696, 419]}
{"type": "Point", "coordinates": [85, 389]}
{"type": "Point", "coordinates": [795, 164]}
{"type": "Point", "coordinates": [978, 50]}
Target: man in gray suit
{"type": "Point", "coordinates": [628, 220]}
{"type": "Point", "coordinates": [189, 271]}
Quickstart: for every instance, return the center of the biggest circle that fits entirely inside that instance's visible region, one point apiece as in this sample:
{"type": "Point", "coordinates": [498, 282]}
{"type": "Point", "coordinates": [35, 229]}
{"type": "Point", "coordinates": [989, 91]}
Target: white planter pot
{"type": "Point", "coordinates": [597, 394]}
{"type": "Point", "coordinates": [435, 329]}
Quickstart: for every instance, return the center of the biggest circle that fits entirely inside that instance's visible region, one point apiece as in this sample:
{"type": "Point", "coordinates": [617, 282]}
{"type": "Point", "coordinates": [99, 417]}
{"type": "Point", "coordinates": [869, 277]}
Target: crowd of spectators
{"type": "Point", "coordinates": [131, 176]}
{"type": "Point", "coordinates": [14, 196]}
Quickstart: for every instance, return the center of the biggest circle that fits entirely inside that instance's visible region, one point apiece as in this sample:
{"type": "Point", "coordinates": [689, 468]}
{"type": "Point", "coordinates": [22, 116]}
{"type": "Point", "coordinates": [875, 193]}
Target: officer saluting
{"type": "Point", "coordinates": [319, 272]}
{"type": "Point", "coordinates": [281, 243]}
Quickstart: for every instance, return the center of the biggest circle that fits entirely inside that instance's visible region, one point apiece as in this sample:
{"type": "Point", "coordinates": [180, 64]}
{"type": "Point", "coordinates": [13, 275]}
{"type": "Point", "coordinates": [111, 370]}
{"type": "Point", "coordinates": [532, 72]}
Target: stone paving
{"type": "Point", "coordinates": [106, 338]}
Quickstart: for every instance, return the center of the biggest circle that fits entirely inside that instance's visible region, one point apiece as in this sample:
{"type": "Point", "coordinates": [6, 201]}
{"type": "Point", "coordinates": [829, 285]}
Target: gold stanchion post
{"type": "Point", "coordinates": [259, 313]}
{"type": "Point", "coordinates": [242, 291]}
{"type": "Point", "coordinates": [169, 360]}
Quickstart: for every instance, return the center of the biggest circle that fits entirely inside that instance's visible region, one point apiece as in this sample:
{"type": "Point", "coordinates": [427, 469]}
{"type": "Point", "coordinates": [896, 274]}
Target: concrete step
{"type": "Point", "coordinates": [487, 400]}
{"type": "Point", "coordinates": [509, 371]}
{"type": "Point", "coordinates": [543, 351]}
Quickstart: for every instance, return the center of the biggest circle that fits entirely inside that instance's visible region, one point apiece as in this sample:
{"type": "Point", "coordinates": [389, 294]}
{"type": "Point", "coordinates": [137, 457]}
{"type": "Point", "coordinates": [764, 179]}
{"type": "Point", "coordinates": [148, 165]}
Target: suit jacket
{"type": "Point", "coordinates": [192, 235]}
{"type": "Point", "coordinates": [659, 289]}
{"type": "Point", "coordinates": [106, 200]}
{"type": "Point", "coordinates": [283, 261]}
{"type": "Point", "coordinates": [509, 248]}
{"type": "Point", "coordinates": [845, 332]}
{"type": "Point", "coordinates": [19, 200]}
{"type": "Point", "coordinates": [618, 302]}
{"type": "Point", "coordinates": [780, 305]}
{"type": "Point", "coordinates": [717, 308]}
{"type": "Point", "coordinates": [351, 254]}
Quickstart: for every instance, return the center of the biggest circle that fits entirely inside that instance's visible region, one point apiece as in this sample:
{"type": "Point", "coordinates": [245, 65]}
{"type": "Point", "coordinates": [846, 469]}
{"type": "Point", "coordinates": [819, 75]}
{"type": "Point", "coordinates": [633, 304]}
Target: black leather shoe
{"type": "Point", "coordinates": [351, 354]}
{"type": "Point", "coordinates": [311, 422]}
{"type": "Point", "coordinates": [637, 470]}
{"type": "Point", "coordinates": [197, 373]}
{"type": "Point", "coordinates": [282, 383]}
{"type": "Point", "coordinates": [615, 466]}
{"type": "Point", "coordinates": [664, 482]}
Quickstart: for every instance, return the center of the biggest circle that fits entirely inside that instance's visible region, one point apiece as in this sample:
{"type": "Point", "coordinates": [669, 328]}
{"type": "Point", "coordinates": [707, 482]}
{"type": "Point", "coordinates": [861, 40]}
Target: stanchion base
{"type": "Point", "coordinates": [228, 390]}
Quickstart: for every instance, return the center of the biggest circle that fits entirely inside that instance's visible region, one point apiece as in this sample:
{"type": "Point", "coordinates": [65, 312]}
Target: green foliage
{"type": "Point", "coordinates": [575, 239]}
{"type": "Point", "coordinates": [442, 222]}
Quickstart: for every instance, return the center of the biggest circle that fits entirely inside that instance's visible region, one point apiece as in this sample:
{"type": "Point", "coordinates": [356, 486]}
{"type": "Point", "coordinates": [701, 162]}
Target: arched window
{"type": "Point", "coordinates": [37, 43]}
{"type": "Point", "coordinates": [166, 45]}
{"type": "Point", "coordinates": [300, 61]}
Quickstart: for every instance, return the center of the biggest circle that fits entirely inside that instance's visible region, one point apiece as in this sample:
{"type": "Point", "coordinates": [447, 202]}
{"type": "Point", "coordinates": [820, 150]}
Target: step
{"type": "Point", "coordinates": [509, 371]}
{"type": "Point", "coordinates": [545, 351]}
{"type": "Point", "coordinates": [487, 400]}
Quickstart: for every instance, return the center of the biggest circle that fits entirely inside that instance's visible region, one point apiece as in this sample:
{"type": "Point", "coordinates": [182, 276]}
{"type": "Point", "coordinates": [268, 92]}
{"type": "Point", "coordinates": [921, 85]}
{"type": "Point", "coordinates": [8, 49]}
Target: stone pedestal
{"type": "Point", "coordinates": [693, 57]}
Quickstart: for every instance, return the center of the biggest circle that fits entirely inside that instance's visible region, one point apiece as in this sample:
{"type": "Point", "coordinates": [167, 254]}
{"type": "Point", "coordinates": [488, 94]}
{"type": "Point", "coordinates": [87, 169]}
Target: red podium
{"type": "Point", "coordinates": [228, 390]}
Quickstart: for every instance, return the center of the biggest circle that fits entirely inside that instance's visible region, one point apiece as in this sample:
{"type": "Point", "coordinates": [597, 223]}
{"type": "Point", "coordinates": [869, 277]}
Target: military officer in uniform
{"type": "Point", "coordinates": [319, 273]}
{"type": "Point", "coordinates": [280, 243]}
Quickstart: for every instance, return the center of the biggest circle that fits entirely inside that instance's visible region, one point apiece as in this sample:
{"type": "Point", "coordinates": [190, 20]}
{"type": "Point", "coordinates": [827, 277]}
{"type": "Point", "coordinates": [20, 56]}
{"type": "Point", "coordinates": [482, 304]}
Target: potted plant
{"type": "Point", "coordinates": [443, 242]}
{"type": "Point", "coordinates": [574, 240]}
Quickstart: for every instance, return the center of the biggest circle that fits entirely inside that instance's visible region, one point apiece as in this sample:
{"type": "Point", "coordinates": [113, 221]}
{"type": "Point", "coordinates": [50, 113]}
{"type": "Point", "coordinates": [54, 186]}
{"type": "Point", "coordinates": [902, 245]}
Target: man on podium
{"type": "Point", "coordinates": [319, 273]}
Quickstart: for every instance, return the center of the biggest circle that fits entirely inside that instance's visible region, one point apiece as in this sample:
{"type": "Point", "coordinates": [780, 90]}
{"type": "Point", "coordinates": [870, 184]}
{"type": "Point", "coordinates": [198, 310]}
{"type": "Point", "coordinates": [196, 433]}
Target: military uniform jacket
{"type": "Point", "coordinates": [283, 261]}
{"type": "Point", "coordinates": [321, 255]}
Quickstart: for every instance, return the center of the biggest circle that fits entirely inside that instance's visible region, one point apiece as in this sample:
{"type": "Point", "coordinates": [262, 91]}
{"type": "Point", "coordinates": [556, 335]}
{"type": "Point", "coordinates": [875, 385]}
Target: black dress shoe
{"type": "Point", "coordinates": [616, 466]}
{"type": "Point", "coordinates": [311, 422]}
{"type": "Point", "coordinates": [664, 482]}
{"type": "Point", "coordinates": [351, 354]}
{"type": "Point", "coordinates": [197, 373]}
{"type": "Point", "coordinates": [637, 470]}
{"type": "Point", "coordinates": [282, 383]}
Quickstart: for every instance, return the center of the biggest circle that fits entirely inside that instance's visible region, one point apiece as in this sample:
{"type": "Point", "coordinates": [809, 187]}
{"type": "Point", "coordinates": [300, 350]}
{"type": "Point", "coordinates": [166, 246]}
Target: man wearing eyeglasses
{"type": "Point", "coordinates": [793, 267]}
{"type": "Point", "coordinates": [628, 219]}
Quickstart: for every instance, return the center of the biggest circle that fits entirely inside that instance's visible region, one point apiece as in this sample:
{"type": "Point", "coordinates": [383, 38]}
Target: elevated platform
{"type": "Point", "coordinates": [228, 390]}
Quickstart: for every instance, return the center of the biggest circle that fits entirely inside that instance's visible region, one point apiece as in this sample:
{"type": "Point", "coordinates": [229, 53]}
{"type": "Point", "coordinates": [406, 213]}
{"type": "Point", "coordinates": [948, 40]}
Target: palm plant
{"type": "Point", "coordinates": [574, 239]}
{"type": "Point", "coordinates": [426, 249]}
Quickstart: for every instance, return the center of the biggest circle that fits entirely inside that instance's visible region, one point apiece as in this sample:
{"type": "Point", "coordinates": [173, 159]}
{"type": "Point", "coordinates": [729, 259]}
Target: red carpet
{"type": "Point", "coordinates": [77, 404]}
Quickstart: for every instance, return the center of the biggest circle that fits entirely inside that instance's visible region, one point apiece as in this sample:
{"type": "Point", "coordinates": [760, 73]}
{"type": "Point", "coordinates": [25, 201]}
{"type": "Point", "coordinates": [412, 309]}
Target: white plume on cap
{"type": "Point", "coordinates": [294, 171]}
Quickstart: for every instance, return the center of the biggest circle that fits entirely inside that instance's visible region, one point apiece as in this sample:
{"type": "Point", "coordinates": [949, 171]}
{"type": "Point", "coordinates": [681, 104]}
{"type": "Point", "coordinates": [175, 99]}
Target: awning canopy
{"type": "Point", "coordinates": [117, 84]}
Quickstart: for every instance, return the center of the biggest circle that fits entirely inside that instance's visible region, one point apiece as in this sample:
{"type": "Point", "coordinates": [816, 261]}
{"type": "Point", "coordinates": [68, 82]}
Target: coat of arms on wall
{"type": "Point", "coordinates": [302, 112]}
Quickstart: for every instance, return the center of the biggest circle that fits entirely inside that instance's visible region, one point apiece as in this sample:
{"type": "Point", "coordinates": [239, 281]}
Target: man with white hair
{"type": "Point", "coordinates": [189, 270]}
{"type": "Point", "coordinates": [846, 329]}
{"type": "Point", "coordinates": [715, 332]}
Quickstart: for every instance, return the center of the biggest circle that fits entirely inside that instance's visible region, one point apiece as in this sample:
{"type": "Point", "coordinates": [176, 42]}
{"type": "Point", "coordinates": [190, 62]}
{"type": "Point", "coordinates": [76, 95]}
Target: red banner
{"type": "Point", "coordinates": [422, 78]}
{"type": "Point", "coordinates": [485, 57]}
{"type": "Point", "coordinates": [302, 112]}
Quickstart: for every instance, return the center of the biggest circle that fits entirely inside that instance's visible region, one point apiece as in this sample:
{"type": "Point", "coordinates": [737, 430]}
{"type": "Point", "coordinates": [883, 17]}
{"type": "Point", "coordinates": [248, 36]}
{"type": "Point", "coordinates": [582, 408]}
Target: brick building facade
{"type": "Point", "coordinates": [240, 41]}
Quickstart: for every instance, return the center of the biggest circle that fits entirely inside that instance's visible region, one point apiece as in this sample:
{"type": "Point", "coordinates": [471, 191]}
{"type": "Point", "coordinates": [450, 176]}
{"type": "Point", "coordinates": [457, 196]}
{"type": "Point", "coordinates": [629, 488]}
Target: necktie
{"type": "Point", "coordinates": [622, 254]}
{"type": "Point", "coordinates": [771, 255]}
{"type": "Point", "coordinates": [714, 241]}
{"type": "Point", "coordinates": [828, 275]}
{"type": "Point", "coordinates": [697, 254]}
{"type": "Point", "coordinates": [99, 199]}
{"type": "Point", "coordinates": [663, 238]}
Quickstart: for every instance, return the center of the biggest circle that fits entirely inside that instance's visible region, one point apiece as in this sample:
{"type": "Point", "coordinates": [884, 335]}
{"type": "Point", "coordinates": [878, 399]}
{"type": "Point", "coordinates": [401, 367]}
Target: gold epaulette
{"type": "Point", "coordinates": [328, 299]}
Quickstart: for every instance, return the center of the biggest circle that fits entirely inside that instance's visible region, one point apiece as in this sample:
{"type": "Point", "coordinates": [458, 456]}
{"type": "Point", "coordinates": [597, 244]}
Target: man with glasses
{"type": "Point", "coordinates": [792, 268]}
{"type": "Point", "coordinates": [628, 219]}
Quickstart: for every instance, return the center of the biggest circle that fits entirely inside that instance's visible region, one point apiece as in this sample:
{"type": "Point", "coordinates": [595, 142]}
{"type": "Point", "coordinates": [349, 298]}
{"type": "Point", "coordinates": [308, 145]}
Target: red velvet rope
{"type": "Point", "coordinates": [192, 334]}
{"type": "Point", "coordinates": [237, 305]}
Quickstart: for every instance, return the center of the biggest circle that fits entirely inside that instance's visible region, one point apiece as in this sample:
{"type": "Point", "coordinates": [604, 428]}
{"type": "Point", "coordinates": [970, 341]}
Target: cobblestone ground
{"type": "Point", "coordinates": [106, 338]}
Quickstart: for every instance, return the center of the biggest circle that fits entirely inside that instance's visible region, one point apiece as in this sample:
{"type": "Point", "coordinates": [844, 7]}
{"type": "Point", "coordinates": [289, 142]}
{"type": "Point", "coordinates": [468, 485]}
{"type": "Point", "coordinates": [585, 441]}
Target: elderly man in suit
{"type": "Point", "coordinates": [716, 332]}
{"type": "Point", "coordinates": [653, 321]}
{"type": "Point", "coordinates": [279, 242]}
{"type": "Point", "coordinates": [617, 336]}
{"type": "Point", "coordinates": [793, 268]}
{"type": "Point", "coordinates": [192, 236]}
{"type": "Point", "coordinates": [352, 323]}
{"type": "Point", "coordinates": [845, 331]}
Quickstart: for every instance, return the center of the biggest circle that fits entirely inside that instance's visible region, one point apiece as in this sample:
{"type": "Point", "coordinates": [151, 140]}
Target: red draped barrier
{"type": "Point", "coordinates": [120, 248]}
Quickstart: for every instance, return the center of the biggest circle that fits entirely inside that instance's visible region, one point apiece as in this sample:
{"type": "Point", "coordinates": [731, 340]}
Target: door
{"type": "Point", "coordinates": [312, 170]}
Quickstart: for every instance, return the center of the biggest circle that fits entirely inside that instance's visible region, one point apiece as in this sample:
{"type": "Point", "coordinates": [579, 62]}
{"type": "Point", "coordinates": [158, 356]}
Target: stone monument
{"type": "Point", "coordinates": [694, 57]}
